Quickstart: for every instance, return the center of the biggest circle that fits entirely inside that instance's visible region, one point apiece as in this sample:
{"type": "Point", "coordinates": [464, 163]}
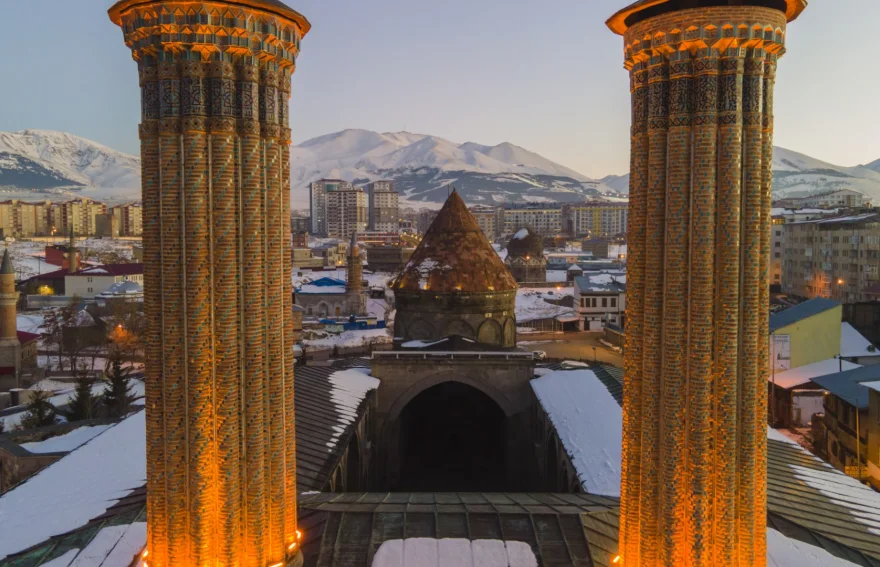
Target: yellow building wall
{"type": "Point", "coordinates": [815, 338]}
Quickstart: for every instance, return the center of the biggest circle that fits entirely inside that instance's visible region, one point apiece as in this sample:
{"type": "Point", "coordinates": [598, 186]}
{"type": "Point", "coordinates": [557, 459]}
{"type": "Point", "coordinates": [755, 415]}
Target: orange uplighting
{"type": "Point", "coordinates": [299, 535]}
{"type": "Point", "coordinates": [279, 564]}
{"type": "Point", "coordinates": [616, 559]}
{"type": "Point", "coordinates": [291, 547]}
{"type": "Point", "coordinates": [145, 553]}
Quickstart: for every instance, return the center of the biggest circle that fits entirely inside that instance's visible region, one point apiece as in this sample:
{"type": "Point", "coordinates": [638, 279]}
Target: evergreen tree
{"type": "Point", "coordinates": [84, 404]}
{"type": "Point", "coordinates": [40, 411]}
{"type": "Point", "coordinates": [118, 395]}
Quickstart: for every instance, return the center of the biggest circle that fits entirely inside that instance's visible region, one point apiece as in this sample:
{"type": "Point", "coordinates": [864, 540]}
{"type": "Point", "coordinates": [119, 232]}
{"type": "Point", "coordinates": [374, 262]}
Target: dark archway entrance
{"type": "Point", "coordinates": [453, 438]}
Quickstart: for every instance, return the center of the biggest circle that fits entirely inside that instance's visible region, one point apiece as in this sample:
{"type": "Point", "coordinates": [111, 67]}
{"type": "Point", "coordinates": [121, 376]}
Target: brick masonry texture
{"type": "Point", "coordinates": [694, 454]}
{"type": "Point", "coordinates": [221, 455]}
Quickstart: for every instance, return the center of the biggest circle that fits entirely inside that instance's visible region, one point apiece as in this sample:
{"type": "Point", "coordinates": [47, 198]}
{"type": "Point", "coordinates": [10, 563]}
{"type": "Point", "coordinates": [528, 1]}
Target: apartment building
{"type": "Point", "coordinates": [79, 214]}
{"type": "Point", "coordinates": [346, 212]}
{"type": "Point", "coordinates": [841, 198]}
{"type": "Point", "coordinates": [129, 219]}
{"type": "Point", "coordinates": [835, 258]}
{"type": "Point", "coordinates": [595, 218]}
{"type": "Point", "coordinates": [318, 191]}
{"type": "Point", "coordinates": [490, 219]}
{"type": "Point", "coordinates": [383, 214]}
{"type": "Point", "coordinates": [545, 220]}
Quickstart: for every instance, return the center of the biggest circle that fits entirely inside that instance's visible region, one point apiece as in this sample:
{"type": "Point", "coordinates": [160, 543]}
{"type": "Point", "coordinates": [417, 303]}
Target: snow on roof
{"type": "Point", "coordinates": [83, 319]}
{"type": "Point", "coordinates": [784, 551]}
{"type": "Point", "coordinates": [67, 442]}
{"type": "Point", "coordinates": [93, 477]}
{"type": "Point", "coordinates": [530, 304]}
{"type": "Point", "coordinates": [588, 421]}
{"type": "Point", "coordinates": [430, 552]}
{"type": "Point", "coordinates": [803, 374]}
{"type": "Point", "coordinates": [852, 343]}
{"type": "Point", "coordinates": [349, 388]}
{"type": "Point", "coordinates": [310, 288]}
{"type": "Point", "coordinates": [521, 233]}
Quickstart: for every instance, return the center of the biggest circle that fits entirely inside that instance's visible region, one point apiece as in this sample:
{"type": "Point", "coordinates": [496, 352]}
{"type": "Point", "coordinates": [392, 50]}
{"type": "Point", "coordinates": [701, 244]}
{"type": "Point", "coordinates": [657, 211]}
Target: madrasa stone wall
{"type": "Point", "coordinates": [694, 453]}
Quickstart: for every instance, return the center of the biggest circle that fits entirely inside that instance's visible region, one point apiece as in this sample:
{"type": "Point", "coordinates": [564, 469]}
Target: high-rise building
{"type": "Point", "coordinates": [383, 207]}
{"type": "Point", "coordinates": [129, 219]}
{"type": "Point", "coordinates": [490, 219]}
{"type": "Point", "coordinates": [346, 212]}
{"type": "Point", "coordinates": [694, 468]}
{"type": "Point", "coordinates": [215, 158]}
{"type": "Point", "coordinates": [594, 218]}
{"type": "Point", "coordinates": [318, 202]}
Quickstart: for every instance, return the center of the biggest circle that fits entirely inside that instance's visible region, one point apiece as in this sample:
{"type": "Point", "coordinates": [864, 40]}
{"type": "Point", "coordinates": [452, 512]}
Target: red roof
{"type": "Point", "coordinates": [111, 270]}
{"type": "Point", "coordinates": [24, 337]}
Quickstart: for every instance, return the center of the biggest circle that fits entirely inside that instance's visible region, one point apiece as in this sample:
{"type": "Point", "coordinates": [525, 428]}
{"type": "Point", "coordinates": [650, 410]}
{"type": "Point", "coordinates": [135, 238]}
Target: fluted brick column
{"type": "Point", "coordinates": [693, 491]}
{"type": "Point", "coordinates": [221, 451]}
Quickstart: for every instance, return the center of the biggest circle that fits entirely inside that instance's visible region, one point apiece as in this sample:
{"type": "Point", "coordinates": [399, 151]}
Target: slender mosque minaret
{"type": "Point", "coordinates": [702, 74]}
{"type": "Point", "coordinates": [215, 157]}
{"type": "Point", "coordinates": [355, 272]}
{"type": "Point", "coordinates": [72, 259]}
{"type": "Point", "coordinates": [10, 346]}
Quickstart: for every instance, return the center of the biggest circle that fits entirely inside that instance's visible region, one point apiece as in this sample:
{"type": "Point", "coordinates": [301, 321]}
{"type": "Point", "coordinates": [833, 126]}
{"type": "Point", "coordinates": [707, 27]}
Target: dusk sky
{"type": "Point", "coordinates": [547, 76]}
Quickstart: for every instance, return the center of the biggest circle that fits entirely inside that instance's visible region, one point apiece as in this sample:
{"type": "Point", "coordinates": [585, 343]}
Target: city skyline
{"type": "Point", "coordinates": [551, 98]}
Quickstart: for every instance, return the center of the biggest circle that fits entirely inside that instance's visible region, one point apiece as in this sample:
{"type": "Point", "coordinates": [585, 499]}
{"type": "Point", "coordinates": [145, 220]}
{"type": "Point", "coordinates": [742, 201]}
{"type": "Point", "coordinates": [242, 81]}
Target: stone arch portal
{"type": "Point", "coordinates": [451, 436]}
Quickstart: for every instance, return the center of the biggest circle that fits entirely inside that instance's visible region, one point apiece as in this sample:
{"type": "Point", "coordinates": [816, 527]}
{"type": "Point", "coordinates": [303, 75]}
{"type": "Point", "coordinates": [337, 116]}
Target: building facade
{"type": "Point", "coordinates": [525, 257]}
{"type": "Point", "coordinates": [490, 219]}
{"type": "Point", "coordinates": [129, 219]}
{"type": "Point", "coordinates": [318, 202]}
{"type": "Point", "coordinates": [221, 462]}
{"type": "Point", "coordinates": [346, 213]}
{"type": "Point", "coordinates": [599, 300]}
{"type": "Point", "coordinates": [543, 219]}
{"type": "Point", "coordinates": [836, 258]}
{"type": "Point", "coordinates": [842, 198]}
{"type": "Point", "coordinates": [594, 218]}
{"type": "Point", "coordinates": [693, 486]}
{"type": "Point", "coordinates": [384, 210]}
{"type": "Point", "coordinates": [90, 282]}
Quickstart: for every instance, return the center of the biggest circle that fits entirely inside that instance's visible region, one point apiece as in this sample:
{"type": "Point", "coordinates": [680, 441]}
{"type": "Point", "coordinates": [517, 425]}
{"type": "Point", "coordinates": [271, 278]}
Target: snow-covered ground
{"type": "Point", "coordinates": [429, 552]}
{"type": "Point", "coordinates": [530, 304]}
{"type": "Point", "coordinates": [67, 442]}
{"type": "Point", "coordinates": [349, 339]}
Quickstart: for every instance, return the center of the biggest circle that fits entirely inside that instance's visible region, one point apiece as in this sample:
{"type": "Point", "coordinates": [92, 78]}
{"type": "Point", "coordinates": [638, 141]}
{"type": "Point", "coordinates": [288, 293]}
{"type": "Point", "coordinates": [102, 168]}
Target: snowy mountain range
{"type": "Point", "coordinates": [423, 166]}
{"type": "Point", "coordinates": [43, 164]}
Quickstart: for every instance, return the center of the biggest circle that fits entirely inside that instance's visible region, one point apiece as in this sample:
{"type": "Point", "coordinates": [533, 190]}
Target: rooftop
{"type": "Point", "coordinates": [644, 9]}
{"type": "Point", "coordinates": [455, 256]}
{"type": "Point", "coordinates": [853, 344]}
{"type": "Point", "coordinates": [800, 312]}
{"type": "Point", "coordinates": [802, 374]}
{"type": "Point", "coordinates": [847, 385]}
{"type": "Point", "coordinates": [275, 7]}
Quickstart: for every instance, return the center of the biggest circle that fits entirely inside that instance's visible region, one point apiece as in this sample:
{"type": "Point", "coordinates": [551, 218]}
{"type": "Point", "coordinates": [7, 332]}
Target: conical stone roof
{"type": "Point", "coordinates": [455, 256]}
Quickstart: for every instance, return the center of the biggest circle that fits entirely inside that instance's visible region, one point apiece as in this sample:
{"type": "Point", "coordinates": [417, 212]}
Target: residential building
{"type": "Point", "coordinates": [843, 198]}
{"type": "Point", "coordinates": [389, 259]}
{"type": "Point", "coordinates": [106, 225]}
{"type": "Point", "coordinates": [346, 212]}
{"type": "Point", "coordinates": [303, 258]}
{"type": "Point", "coordinates": [594, 218]}
{"type": "Point", "coordinates": [424, 220]}
{"type": "Point", "coordinates": [78, 214]}
{"type": "Point", "coordinates": [777, 245]}
{"type": "Point", "coordinates": [490, 219]}
{"type": "Point", "coordinates": [318, 191]}
{"type": "Point", "coordinates": [846, 407]}
{"type": "Point", "coordinates": [89, 282]}
{"type": "Point", "coordinates": [379, 238]}
{"type": "Point", "coordinates": [836, 257]}
{"type": "Point", "coordinates": [20, 219]}
{"type": "Point", "coordinates": [383, 214]}
{"type": "Point", "coordinates": [300, 239]}
{"type": "Point", "coordinates": [544, 219]}
{"type": "Point", "coordinates": [600, 299]}
{"type": "Point", "coordinates": [300, 224]}
{"type": "Point", "coordinates": [605, 247]}
{"type": "Point", "coordinates": [129, 218]}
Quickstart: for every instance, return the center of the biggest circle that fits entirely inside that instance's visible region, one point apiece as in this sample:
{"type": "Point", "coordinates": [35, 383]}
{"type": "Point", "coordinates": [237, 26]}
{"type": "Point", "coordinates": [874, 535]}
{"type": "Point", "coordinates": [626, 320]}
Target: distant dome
{"type": "Point", "coordinates": [455, 256]}
{"type": "Point", "coordinates": [526, 242]}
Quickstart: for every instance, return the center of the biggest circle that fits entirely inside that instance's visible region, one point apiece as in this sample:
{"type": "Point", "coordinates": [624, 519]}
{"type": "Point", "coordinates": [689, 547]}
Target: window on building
{"type": "Point", "coordinates": [613, 302]}
{"type": "Point", "coordinates": [776, 244]}
{"type": "Point", "coordinates": [604, 302]}
{"type": "Point", "coordinates": [594, 302]}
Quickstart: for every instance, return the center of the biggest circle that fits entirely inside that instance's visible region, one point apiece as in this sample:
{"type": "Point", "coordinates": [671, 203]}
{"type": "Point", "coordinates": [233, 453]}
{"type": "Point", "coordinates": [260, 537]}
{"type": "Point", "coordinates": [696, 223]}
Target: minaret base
{"type": "Point", "coordinates": [296, 561]}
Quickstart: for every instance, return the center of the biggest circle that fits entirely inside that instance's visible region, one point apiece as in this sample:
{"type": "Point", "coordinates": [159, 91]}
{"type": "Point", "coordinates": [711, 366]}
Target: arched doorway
{"type": "Point", "coordinates": [453, 438]}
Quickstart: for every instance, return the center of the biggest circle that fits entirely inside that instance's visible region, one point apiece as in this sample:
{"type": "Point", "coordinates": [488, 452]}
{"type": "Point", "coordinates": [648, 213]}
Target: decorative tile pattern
{"type": "Point", "coordinates": [694, 456]}
{"type": "Point", "coordinates": [221, 449]}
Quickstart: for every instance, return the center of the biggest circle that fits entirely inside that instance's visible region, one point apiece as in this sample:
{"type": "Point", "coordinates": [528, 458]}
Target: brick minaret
{"type": "Point", "coordinates": [355, 272]}
{"type": "Point", "coordinates": [221, 455]}
{"type": "Point", "coordinates": [72, 259]}
{"type": "Point", "coordinates": [10, 346]}
{"type": "Point", "coordinates": [694, 450]}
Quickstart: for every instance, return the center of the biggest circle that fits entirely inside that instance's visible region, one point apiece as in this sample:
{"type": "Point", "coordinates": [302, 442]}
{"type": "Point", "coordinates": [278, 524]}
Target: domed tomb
{"type": "Point", "coordinates": [525, 256]}
{"type": "Point", "coordinates": [455, 284]}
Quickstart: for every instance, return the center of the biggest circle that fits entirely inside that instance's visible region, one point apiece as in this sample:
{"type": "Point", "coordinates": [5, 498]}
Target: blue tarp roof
{"type": "Point", "coordinates": [800, 312]}
{"type": "Point", "coordinates": [846, 385]}
{"type": "Point", "coordinates": [327, 282]}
